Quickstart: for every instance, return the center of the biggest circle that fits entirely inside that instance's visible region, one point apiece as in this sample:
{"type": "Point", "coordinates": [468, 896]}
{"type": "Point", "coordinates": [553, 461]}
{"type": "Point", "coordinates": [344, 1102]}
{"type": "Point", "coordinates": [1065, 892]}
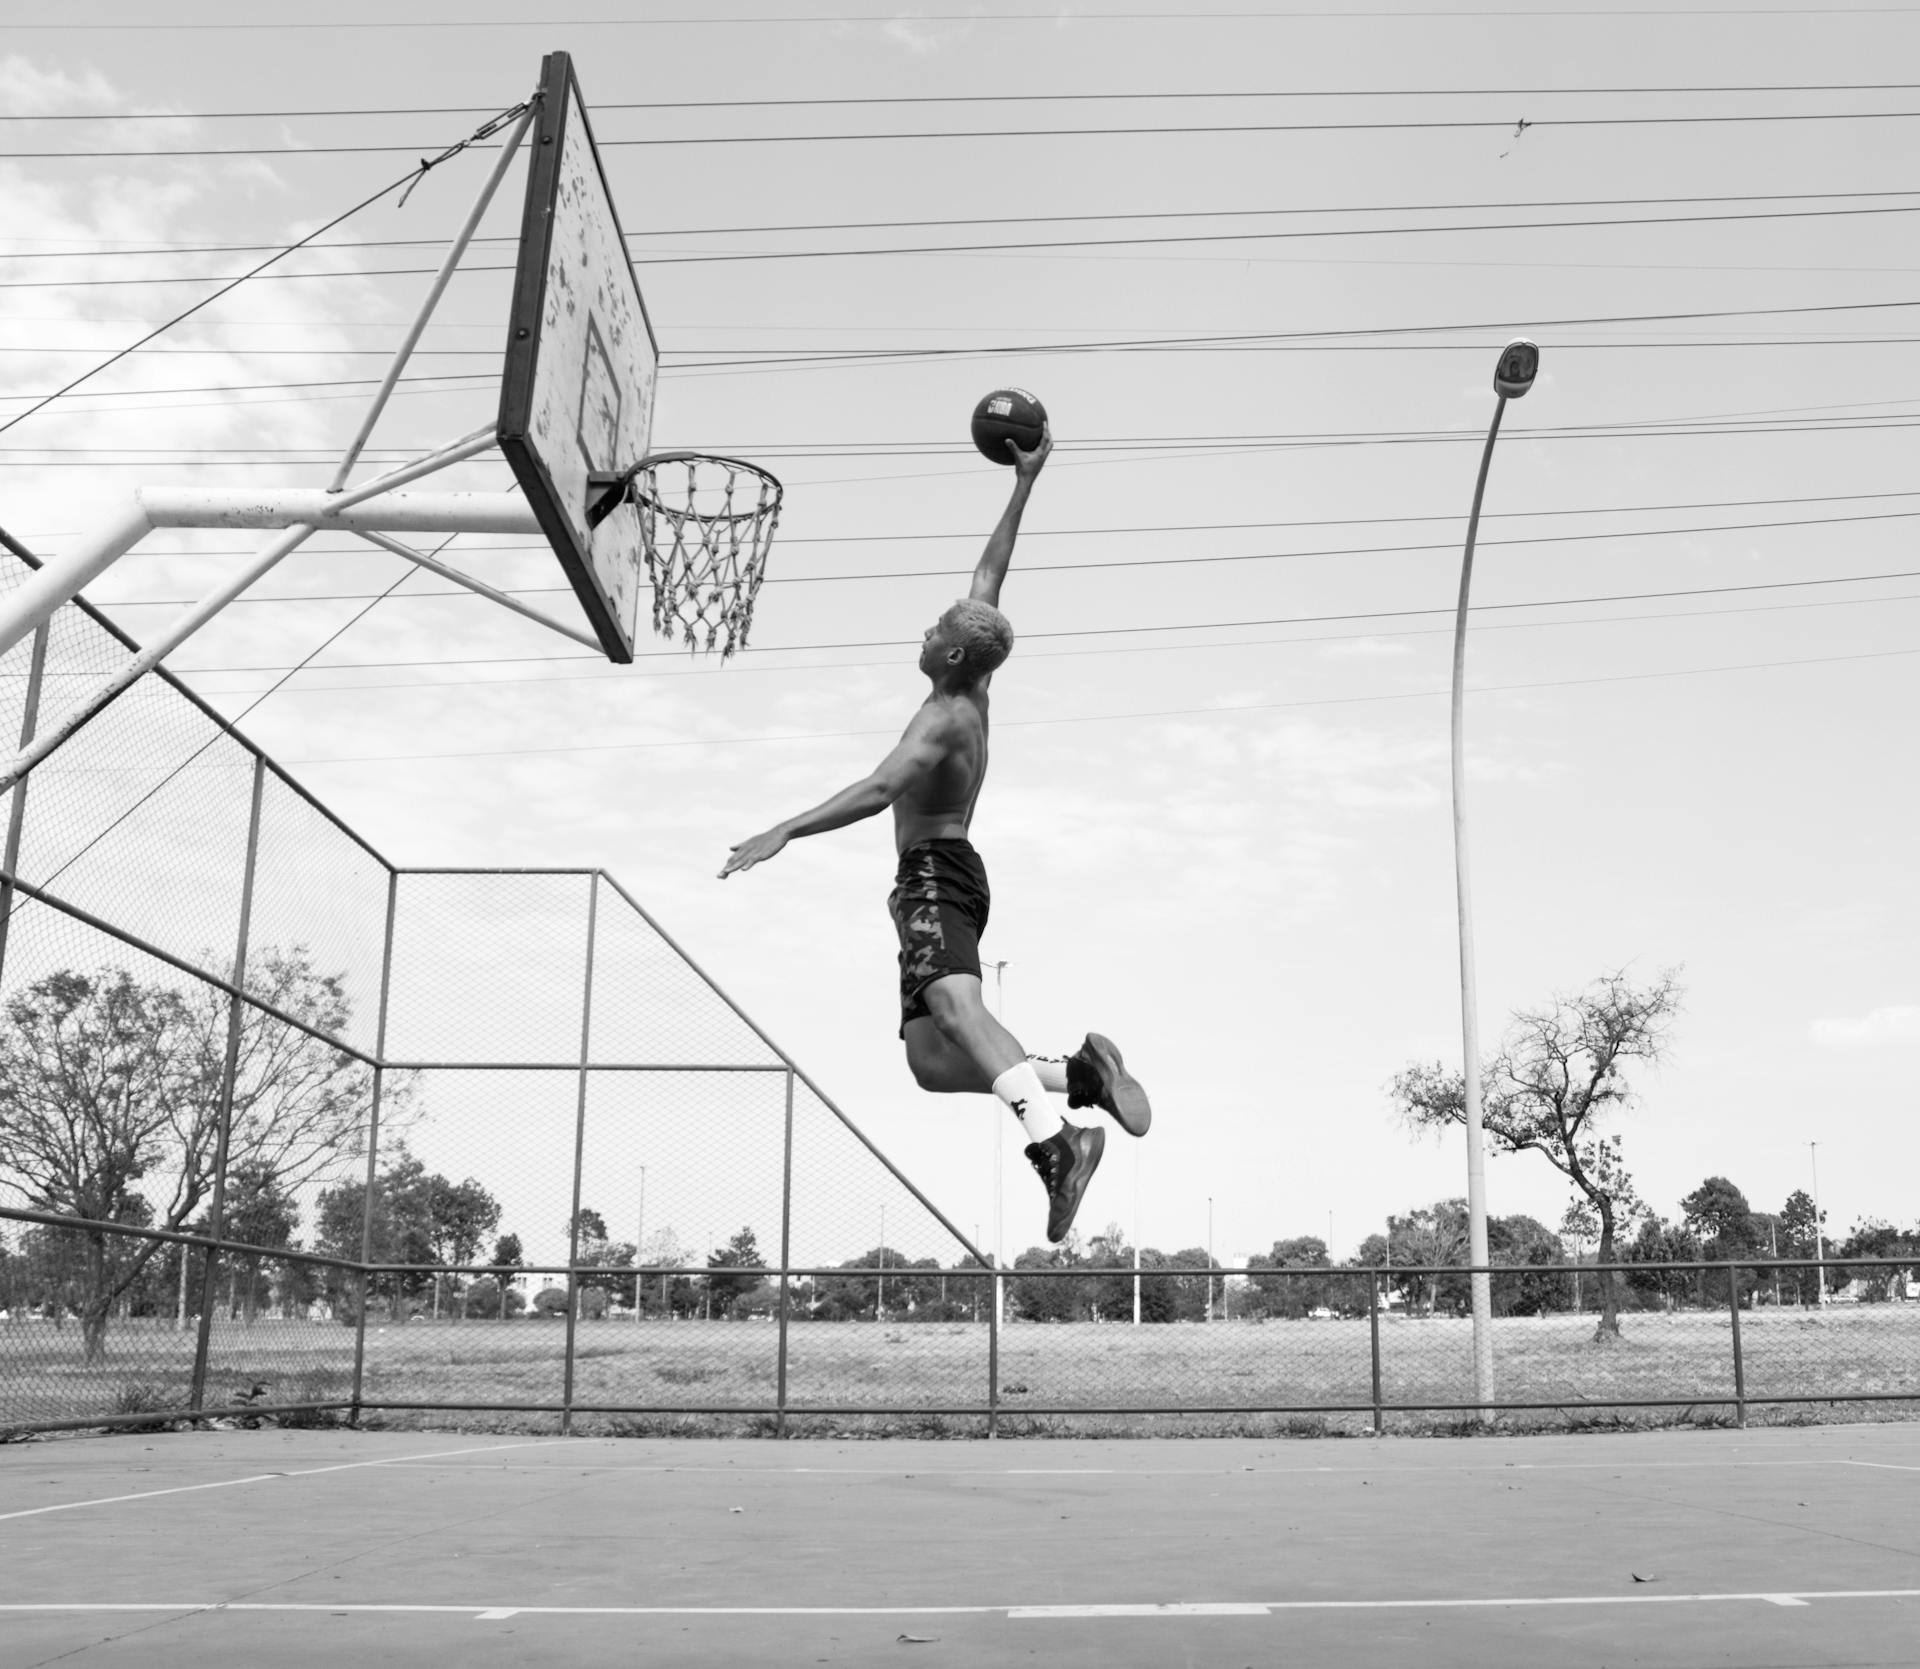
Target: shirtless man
{"type": "Point", "coordinates": [939, 902]}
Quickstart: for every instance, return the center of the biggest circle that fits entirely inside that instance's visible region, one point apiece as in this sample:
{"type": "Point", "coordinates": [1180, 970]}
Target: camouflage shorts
{"type": "Point", "coordinates": [939, 907]}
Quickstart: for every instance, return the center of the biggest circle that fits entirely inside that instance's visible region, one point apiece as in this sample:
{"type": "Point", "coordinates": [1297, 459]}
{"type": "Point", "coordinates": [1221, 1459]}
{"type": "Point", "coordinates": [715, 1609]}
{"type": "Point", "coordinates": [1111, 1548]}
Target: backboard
{"type": "Point", "coordinates": [578, 385]}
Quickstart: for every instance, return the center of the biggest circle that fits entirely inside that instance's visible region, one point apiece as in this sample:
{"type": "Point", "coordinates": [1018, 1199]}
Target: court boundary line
{"type": "Point", "coordinates": [263, 1477]}
{"type": "Point", "coordinates": [1013, 1613]}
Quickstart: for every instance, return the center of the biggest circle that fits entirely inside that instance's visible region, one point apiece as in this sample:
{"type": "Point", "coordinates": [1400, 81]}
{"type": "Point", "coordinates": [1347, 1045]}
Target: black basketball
{"type": "Point", "coordinates": [1007, 414]}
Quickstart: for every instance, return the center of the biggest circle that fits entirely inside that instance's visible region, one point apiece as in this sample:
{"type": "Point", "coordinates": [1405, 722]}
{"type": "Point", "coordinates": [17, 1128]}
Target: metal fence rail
{"type": "Point", "coordinates": [1307, 1342]}
{"type": "Point", "coordinates": [353, 1137]}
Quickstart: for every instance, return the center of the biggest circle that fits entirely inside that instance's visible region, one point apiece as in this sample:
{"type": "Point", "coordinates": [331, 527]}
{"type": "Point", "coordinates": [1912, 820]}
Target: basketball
{"type": "Point", "coordinates": [1007, 414]}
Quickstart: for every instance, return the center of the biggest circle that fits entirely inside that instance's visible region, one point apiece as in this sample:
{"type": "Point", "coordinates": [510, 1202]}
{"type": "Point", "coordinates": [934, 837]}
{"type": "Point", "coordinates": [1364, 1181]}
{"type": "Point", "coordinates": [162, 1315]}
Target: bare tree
{"type": "Point", "coordinates": [110, 1097]}
{"type": "Point", "coordinates": [1559, 1075]}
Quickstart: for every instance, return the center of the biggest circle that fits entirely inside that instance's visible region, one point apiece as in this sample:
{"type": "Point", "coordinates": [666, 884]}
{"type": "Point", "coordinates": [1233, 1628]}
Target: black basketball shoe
{"type": "Point", "coordinates": [1096, 1078]}
{"type": "Point", "coordinates": [1066, 1161]}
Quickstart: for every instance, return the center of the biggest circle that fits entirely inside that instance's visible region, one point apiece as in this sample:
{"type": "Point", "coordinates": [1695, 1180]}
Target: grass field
{"type": "Point", "coordinates": [1051, 1377]}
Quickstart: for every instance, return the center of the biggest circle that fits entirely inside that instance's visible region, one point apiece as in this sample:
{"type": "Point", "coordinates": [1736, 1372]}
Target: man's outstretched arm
{"type": "Point", "coordinates": [913, 755]}
{"type": "Point", "coordinates": [992, 570]}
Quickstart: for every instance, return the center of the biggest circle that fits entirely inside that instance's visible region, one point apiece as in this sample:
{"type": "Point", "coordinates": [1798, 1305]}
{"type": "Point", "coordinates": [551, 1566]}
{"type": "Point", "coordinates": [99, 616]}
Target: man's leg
{"type": "Point", "coordinates": [978, 1052]}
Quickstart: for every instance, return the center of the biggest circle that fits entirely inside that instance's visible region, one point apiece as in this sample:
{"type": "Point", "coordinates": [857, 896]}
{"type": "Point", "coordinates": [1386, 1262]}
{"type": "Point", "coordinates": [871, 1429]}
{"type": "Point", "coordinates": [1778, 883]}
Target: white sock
{"type": "Point", "coordinates": [1052, 1070]}
{"type": "Point", "coordinates": [1021, 1089]}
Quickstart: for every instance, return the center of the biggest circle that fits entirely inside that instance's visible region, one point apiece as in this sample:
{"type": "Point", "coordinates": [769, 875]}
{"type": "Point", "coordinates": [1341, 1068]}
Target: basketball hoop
{"type": "Point", "coordinates": [706, 525]}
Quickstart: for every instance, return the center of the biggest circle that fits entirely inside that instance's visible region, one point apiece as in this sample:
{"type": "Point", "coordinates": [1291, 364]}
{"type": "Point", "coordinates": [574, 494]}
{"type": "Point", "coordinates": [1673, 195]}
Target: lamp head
{"type": "Point", "coordinates": [1519, 365]}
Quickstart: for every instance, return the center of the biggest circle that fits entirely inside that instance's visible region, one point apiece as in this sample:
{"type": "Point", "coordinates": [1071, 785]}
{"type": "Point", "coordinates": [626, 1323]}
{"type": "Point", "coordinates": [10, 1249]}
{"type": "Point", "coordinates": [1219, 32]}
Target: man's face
{"type": "Point", "coordinates": [934, 647]}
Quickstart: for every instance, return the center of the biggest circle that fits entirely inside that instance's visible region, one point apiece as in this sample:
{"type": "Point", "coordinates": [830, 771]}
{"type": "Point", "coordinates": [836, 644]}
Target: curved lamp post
{"type": "Point", "coordinates": [1512, 377]}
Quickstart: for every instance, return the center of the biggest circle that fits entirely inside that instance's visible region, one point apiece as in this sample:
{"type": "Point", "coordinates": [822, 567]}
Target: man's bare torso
{"type": "Point", "coordinates": [940, 805]}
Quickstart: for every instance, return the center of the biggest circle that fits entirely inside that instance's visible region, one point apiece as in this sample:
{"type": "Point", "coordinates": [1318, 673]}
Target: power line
{"type": "Point", "coordinates": [1105, 718]}
{"type": "Point", "coordinates": [424, 166]}
{"type": "Point", "coordinates": [1016, 246]}
{"type": "Point", "coordinates": [611, 674]}
{"type": "Point", "coordinates": [1111, 564]}
{"type": "Point", "coordinates": [1346, 618]}
{"type": "Point", "coordinates": [1055, 219]}
{"type": "Point", "coordinates": [601, 107]}
{"type": "Point", "coordinates": [1051, 19]}
{"type": "Point", "coordinates": [1165, 130]}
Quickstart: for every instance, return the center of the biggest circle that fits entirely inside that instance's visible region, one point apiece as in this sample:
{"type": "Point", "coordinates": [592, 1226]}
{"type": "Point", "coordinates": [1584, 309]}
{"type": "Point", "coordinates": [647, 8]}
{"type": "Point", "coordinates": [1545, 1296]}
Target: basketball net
{"type": "Point", "coordinates": [706, 525]}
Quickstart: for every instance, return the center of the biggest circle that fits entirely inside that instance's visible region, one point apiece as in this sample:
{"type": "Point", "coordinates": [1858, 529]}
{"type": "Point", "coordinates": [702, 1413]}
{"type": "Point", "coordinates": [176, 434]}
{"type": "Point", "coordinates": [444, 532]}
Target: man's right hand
{"type": "Point", "coordinates": [757, 850]}
{"type": "Point", "coordinates": [1027, 465]}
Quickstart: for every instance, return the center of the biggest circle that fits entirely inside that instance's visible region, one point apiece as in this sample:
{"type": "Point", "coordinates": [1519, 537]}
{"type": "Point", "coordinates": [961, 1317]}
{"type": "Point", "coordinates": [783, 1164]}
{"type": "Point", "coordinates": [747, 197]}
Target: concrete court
{"type": "Point", "coordinates": [1795, 1547]}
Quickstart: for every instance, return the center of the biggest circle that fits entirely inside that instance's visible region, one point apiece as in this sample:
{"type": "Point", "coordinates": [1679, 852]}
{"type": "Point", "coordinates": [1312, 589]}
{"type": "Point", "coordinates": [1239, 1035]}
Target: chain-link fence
{"type": "Point", "coordinates": [287, 1130]}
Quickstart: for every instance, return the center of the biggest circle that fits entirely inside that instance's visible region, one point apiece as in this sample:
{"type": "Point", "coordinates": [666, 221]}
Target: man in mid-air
{"type": "Point", "coordinates": [939, 902]}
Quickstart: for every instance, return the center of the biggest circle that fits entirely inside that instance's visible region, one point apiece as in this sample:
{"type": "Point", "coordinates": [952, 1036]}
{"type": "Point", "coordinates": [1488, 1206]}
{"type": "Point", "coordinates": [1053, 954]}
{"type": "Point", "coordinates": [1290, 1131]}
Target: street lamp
{"type": "Point", "coordinates": [1512, 377]}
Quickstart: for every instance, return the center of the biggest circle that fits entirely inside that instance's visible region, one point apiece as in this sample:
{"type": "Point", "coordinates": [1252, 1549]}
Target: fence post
{"type": "Point", "coordinates": [786, 1261]}
{"type": "Point", "coordinates": [365, 1288]}
{"type": "Point", "coordinates": [579, 1155]}
{"type": "Point", "coordinates": [217, 1206]}
{"type": "Point", "coordinates": [1739, 1365]}
{"type": "Point", "coordinates": [1373, 1331]}
{"type": "Point", "coordinates": [993, 1352]}
{"type": "Point", "coordinates": [17, 811]}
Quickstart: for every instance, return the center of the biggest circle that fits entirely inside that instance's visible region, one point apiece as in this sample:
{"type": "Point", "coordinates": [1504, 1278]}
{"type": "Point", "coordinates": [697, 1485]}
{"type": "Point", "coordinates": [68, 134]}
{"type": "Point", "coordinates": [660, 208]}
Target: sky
{"type": "Point", "coordinates": [1218, 819]}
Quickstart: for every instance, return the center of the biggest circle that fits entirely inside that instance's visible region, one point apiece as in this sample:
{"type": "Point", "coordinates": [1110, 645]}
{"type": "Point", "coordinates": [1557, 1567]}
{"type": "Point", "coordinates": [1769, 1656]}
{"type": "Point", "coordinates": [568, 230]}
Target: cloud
{"type": "Point", "coordinates": [1881, 1028]}
{"type": "Point", "coordinates": [1365, 648]}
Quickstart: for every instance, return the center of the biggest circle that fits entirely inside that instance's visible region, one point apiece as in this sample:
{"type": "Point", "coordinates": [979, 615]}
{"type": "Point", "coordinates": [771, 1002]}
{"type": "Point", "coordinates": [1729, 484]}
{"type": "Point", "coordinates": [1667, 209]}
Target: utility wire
{"type": "Point", "coordinates": [1017, 246]}
{"type": "Point", "coordinates": [1048, 219]}
{"type": "Point", "coordinates": [1168, 130]}
{"type": "Point", "coordinates": [425, 166]}
{"type": "Point", "coordinates": [601, 107]}
{"type": "Point", "coordinates": [1125, 631]}
{"type": "Point", "coordinates": [1113, 565]}
{"type": "Point", "coordinates": [1106, 718]}
{"type": "Point", "coordinates": [1050, 18]}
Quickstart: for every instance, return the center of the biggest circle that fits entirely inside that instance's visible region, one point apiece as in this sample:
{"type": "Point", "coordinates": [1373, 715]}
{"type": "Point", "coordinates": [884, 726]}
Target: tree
{"type": "Point", "coordinates": [111, 1089]}
{"type": "Point", "coordinates": [1429, 1239]}
{"type": "Point", "coordinates": [741, 1252]}
{"type": "Point", "coordinates": [460, 1215]}
{"type": "Point", "coordinates": [1559, 1075]}
{"type": "Point", "coordinates": [260, 1212]}
{"type": "Point", "coordinates": [1292, 1295]}
{"type": "Point", "coordinates": [1801, 1236]}
{"type": "Point", "coordinates": [1661, 1242]}
{"type": "Point", "coordinates": [1718, 1214]}
{"type": "Point", "coordinates": [1524, 1243]}
{"type": "Point", "coordinates": [1049, 1298]}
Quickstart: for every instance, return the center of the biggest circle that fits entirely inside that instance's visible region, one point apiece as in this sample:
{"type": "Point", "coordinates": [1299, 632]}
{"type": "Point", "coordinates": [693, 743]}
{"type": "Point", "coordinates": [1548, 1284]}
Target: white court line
{"type": "Point", "coordinates": [260, 1478]}
{"type": "Point", "coordinates": [923, 1469]}
{"type": "Point", "coordinates": [1881, 1465]}
{"type": "Point", "coordinates": [1017, 1613]}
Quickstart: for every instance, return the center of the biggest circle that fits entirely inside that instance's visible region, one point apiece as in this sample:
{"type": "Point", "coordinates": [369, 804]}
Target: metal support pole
{"type": "Point", "coordinates": [182, 628]}
{"type": "Point", "coordinates": [435, 291]}
{"type": "Point", "coordinates": [1739, 1363]}
{"type": "Point", "coordinates": [1376, 1296]}
{"type": "Point", "coordinates": [1482, 1285]}
{"type": "Point", "coordinates": [447, 572]}
{"type": "Point", "coordinates": [217, 1206]}
{"type": "Point", "coordinates": [468, 446]}
{"type": "Point", "coordinates": [786, 1265]}
{"type": "Point", "coordinates": [993, 1358]}
{"type": "Point", "coordinates": [579, 1157]}
{"type": "Point", "coordinates": [17, 810]}
{"type": "Point", "coordinates": [363, 1291]}
{"type": "Point", "coordinates": [62, 578]}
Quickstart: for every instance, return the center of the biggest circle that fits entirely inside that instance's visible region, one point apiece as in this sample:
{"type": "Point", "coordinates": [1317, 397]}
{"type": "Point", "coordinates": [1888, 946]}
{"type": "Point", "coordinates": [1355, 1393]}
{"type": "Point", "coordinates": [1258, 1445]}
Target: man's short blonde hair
{"type": "Point", "coordinates": [983, 631]}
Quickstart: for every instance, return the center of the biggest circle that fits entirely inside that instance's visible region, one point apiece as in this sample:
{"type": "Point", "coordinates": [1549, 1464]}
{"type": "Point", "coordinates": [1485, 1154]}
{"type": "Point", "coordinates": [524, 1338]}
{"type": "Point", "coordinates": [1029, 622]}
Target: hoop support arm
{"type": "Point", "coordinates": [146, 508]}
{"type": "Point", "coordinates": [579, 634]}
